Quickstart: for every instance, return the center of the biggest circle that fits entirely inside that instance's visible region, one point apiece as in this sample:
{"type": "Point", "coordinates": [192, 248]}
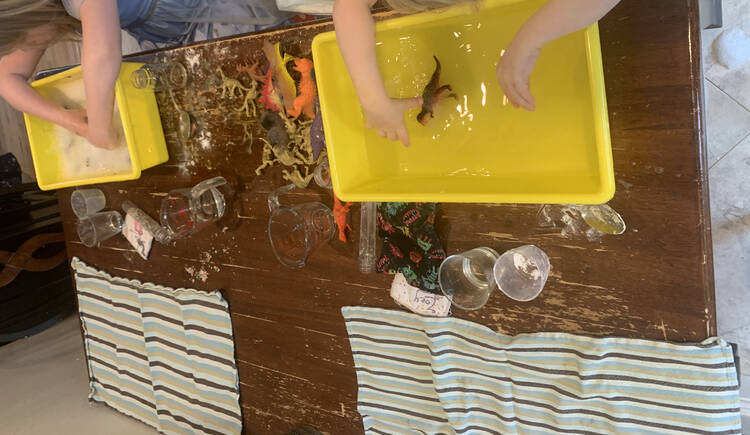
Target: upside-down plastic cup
{"type": "Point", "coordinates": [467, 278]}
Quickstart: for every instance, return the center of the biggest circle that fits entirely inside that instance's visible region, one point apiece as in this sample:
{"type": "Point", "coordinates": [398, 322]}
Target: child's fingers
{"type": "Point", "coordinates": [403, 136]}
{"type": "Point", "coordinates": [518, 96]}
{"type": "Point", "coordinates": [511, 93]}
{"type": "Point", "coordinates": [524, 91]}
{"type": "Point", "coordinates": [409, 103]}
{"type": "Point", "coordinates": [392, 135]}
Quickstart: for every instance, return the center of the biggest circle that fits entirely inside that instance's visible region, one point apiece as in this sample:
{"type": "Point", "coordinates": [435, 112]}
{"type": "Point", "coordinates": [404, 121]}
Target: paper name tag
{"type": "Point", "coordinates": [419, 301]}
{"type": "Point", "coordinates": [139, 237]}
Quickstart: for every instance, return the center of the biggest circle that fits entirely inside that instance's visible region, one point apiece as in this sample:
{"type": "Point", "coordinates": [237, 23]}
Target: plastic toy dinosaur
{"type": "Point", "coordinates": [317, 136]}
{"type": "Point", "coordinates": [249, 102]}
{"type": "Point", "coordinates": [267, 158]}
{"type": "Point", "coordinates": [305, 102]}
{"type": "Point", "coordinates": [269, 95]}
{"type": "Point", "coordinates": [432, 94]}
{"type": "Point", "coordinates": [281, 78]}
{"type": "Point", "coordinates": [296, 177]}
{"type": "Point", "coordinates": [230, 85]}
{"type": "Point", "coordinates": [341, 216]}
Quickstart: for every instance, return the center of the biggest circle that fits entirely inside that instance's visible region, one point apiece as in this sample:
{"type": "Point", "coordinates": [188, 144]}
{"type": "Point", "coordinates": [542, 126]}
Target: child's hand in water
{"type": "Point", "coordinates": [514, 69]}
{"type": "Point", "coordinates": [387, 117]}
{"type": "Point", "coordinates": [77, 122]}
{"type": "Point", "coordinates": [103, 137]}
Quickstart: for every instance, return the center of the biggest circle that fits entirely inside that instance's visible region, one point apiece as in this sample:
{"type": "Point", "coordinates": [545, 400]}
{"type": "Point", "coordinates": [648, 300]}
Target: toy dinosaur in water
{"type": "Point", "coordinates": [305, 102]}
{"type": "Point", "coordinates": [432, 94]}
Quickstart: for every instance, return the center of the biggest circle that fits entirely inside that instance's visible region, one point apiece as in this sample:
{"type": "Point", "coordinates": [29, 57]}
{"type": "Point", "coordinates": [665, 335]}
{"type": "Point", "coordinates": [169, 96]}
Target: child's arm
{"type": "Point", "coordinates": [101, 56]}
{"type": "Point", "coordinates": [355, 33]}
{"type": "Point", "coordinates": [554, 20]}
{"type": "Point", "coordinates": [15, 70]}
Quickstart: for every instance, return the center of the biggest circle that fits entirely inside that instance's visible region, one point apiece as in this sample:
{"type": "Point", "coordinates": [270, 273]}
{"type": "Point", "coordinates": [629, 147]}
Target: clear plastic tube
{"type": "Point", "coordinates": [160, 233]}
{"type": "Point", "coordinates": [368, 237]}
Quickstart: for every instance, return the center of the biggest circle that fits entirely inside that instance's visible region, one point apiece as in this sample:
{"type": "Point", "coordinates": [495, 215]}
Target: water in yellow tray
{"type": "Point", "coordinates": [477, 148]}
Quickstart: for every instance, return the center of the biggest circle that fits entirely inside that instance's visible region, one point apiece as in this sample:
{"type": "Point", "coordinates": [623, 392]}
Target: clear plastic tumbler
{"type": "Point", "coordinates": [467, 278]}
{"type": "Point", "coordinates": [521, 272]}
{"type": "Point", "coordinates": [99, 227]}
{"type": "Point", "coordinates": [85, 202]}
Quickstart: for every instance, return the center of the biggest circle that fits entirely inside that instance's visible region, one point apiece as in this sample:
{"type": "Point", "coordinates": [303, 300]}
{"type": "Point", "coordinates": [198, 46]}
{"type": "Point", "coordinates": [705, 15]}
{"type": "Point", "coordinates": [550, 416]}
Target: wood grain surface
{"type": "Point", "coordinates": [655, 281]}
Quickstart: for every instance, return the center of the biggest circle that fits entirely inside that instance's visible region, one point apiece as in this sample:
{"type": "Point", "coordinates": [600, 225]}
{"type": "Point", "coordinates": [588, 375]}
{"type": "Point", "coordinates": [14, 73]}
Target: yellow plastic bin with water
{"type": "Point", "coordinates": [478, 148]}
{"type": "Point", "coordinates": [141, 125]}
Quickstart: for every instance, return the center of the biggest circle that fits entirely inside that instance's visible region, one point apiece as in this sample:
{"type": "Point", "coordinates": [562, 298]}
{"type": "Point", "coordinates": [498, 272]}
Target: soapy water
{"type": "Point", "coordinates": [481, 131]}
{"type": "Point", "coordinates": [78, 158]}
{"type": "Point", "coordinates": [413, 72]}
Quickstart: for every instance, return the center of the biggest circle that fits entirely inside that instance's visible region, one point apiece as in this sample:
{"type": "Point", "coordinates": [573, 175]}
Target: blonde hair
{"type": "Point", "coordinates": [423, 5]}
{"type": "Point", "coordinates": [20, 17]}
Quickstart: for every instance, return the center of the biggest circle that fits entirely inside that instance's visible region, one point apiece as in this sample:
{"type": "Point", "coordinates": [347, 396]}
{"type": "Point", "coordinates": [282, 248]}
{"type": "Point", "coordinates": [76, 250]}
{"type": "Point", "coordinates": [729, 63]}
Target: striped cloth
{"type": "Point", "coordinates": [445, 375]}
{"type": "Point", "coordinates": [162, 356]}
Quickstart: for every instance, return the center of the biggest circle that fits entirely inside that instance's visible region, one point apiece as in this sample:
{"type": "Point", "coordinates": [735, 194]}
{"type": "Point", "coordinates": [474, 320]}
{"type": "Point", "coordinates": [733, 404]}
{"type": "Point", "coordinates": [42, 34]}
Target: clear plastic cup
{"type": "Point", "coordinates": [467, 278]}
{"type": "Point", "coordinates": [85, 202]}
{"type": "Point", "coordinates": [296, 231]}
{"type": "Point", "coordinates": [99, 227]}
{"type": "Point", "coordinates": [521, 272]}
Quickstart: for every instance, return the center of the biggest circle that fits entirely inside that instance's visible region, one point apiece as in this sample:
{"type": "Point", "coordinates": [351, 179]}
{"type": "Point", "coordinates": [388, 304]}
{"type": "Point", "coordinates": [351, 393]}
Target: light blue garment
{"type": "Point", "coordinates": [131, 11]}
{"type": "Point", "coordinates": [158, 23]}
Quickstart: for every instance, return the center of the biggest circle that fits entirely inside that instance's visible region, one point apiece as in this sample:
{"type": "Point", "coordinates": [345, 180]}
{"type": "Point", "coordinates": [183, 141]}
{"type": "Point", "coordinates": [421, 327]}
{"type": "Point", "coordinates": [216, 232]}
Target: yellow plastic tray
{"type": "Point", "coordinates": [140, 120]}
{"type": "Point", "coordinates": [478, 148]}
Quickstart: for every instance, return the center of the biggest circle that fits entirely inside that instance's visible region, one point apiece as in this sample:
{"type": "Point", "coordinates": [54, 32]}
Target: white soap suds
{"type": "Point", "coordinates": [78, 158]}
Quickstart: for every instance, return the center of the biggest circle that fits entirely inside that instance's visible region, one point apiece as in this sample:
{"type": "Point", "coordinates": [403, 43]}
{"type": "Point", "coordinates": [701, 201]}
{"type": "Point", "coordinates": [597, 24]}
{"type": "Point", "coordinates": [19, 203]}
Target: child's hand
{"type": "Point", "coordinates": [103, 137]}
{"type": "Point", "coordinates": [77, 122]}
{"type": "Point", "coordinates": [514, 69]}
{"type": "Point", "coordinates": [387, 117]}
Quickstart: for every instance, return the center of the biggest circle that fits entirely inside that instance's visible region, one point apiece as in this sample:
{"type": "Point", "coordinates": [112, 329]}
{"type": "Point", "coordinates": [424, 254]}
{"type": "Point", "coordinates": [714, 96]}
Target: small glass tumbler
{"type": "Point", "coordinates": [99, 227]}
{"type": "Point", "coordinates": [85, 202]}
{"type": "Point", "coordinates": [521, 272]}
{"type": "Point", "coordinates": [296, 231]}
{"type": "Point", "coordinates": [160, 76]}
{"type": "Point", "coordinates": [467, 279]}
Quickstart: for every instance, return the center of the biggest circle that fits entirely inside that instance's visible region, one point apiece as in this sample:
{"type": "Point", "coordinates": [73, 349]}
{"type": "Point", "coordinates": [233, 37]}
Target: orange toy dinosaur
{"type": "Point", "coordinates": [341, 216]}
{"type": "Point", "coordinates": [305, 102]}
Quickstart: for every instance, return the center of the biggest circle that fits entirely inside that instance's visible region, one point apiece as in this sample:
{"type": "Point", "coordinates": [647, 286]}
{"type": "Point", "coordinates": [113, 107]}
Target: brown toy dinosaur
{"type": "Point", "coordinates": [432, 94]}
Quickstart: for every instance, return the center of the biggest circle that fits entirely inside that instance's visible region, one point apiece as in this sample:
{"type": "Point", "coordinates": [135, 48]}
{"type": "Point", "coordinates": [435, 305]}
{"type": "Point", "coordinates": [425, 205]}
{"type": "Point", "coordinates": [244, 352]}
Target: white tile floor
{"type": "Point", "coordinates": [728, 123]}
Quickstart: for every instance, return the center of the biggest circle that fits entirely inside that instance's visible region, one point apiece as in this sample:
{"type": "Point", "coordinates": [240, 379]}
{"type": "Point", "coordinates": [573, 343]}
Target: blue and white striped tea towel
{"type": "Point", "coordinates": [162, 356]}
{"type": "Point", "coordinates": [445, 375]}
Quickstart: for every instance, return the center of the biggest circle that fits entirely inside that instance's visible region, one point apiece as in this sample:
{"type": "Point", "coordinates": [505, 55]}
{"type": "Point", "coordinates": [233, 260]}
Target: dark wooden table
{"type": "Point", "coordinates": [654, 281]}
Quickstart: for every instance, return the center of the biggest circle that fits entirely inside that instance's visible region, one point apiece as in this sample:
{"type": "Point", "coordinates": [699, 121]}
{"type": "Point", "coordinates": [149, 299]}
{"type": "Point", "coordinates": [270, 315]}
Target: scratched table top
{"type": "Point", "coordinates": [654, 281]}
